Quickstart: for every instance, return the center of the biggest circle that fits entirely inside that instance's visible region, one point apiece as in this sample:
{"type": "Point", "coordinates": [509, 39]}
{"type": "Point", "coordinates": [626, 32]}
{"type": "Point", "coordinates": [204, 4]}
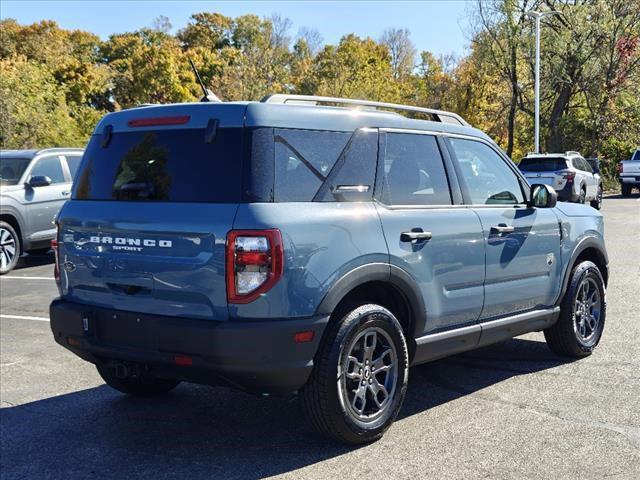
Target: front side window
{"type": "Point", "coordinates": [12, 168]}
{"type": "Point", "coordinates": [413, 171]}
{"type": "Point", "coordinates": [49, 167]}
{"type": "Point", "coordinates": [488, 179]}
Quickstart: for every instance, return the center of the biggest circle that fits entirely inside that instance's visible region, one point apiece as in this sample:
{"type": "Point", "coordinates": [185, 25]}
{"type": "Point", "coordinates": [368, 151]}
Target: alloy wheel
{"type": "Point", "coordinates": [369, 377]}
{"type": "Point", "coordinates": [7, 248]}
{"type": "Point", "coordinates": [587, 310]}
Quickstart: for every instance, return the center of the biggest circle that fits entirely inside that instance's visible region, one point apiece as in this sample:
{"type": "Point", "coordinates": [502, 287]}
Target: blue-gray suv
{"type": "Point", "coordinates": [312, 245]}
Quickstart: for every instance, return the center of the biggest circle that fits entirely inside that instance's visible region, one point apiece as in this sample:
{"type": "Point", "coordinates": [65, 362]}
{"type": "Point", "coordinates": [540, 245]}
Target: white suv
{"type": "Point", "coordinates": [568, 173]}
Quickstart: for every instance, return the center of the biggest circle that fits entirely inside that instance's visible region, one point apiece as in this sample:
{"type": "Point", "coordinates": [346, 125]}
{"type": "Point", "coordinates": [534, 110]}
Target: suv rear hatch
{"type": "Point", "coordinates": [155, 196]}
{"type": "Point", "coordinates": [546, 170]}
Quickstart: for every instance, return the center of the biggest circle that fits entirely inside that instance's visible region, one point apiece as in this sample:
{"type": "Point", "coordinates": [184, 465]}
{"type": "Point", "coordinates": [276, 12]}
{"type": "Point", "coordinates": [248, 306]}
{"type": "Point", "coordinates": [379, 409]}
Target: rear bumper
{"type": "Point", "coordinates": [259, 356]}
{"type": "Point", "coordinates": [630, 180]}
{"type": "Point", "coordinates": [566, 194]}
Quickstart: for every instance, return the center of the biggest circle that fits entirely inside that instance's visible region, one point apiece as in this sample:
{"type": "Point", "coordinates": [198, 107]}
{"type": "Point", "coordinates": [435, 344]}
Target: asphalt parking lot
{"type": "Point", "coordinates": [512, 410]}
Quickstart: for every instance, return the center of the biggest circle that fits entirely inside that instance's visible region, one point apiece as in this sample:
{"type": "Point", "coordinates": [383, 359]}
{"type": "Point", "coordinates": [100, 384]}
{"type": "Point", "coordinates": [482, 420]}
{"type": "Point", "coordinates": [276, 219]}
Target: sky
{"type": "Point", "coordinates": [435, 25]}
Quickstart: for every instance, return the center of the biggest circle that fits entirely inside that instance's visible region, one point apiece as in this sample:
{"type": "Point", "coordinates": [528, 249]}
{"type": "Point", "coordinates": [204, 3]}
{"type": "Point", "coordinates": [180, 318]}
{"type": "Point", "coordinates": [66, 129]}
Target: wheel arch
{"type": "Point", "coordinates": [591, 249]}
{"type": "Point", "coordinates": [387, 285]}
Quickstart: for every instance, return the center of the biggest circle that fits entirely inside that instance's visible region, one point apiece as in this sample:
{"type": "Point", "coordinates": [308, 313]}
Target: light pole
{"type": "Point", "coordinates": [537, 16]}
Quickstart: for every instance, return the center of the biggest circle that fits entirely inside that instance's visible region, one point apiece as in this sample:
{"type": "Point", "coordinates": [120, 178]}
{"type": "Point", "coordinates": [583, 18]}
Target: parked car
{"type": "Point", "coordinates": [291, 246]}
{"type": "Point", "coordinates": [629, 173]}
{"type": "Point", "coordinates": [573, 177]}
{"type": "Point", "coordinates": [33, 186]}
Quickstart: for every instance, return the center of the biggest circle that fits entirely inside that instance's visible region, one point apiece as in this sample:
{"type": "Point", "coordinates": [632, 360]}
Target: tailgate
{"type": "Point", "coordinates": [156, 258]}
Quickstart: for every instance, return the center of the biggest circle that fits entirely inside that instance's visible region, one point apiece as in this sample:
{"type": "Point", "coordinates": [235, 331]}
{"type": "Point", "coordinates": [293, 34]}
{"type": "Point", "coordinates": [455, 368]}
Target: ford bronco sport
{"type": "Point", "coordinates": [300, 245]}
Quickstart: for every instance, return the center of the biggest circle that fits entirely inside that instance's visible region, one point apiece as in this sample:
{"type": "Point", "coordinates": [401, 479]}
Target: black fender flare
{"type": "Point", "coordinates": [380, 272]}
{"type": "Point", "coordinates": [585, 243]}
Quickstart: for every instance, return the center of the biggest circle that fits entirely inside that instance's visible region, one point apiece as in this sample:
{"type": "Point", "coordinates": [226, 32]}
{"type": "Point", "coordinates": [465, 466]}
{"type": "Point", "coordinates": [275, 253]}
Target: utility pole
{"type": "Point", "coordinates": [537, 16]}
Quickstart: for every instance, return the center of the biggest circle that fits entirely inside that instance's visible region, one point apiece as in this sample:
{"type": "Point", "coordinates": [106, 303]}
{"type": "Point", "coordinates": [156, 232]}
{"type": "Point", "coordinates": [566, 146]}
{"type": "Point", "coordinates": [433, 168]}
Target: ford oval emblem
{"type": "Point", "coordinates": [69, 266]}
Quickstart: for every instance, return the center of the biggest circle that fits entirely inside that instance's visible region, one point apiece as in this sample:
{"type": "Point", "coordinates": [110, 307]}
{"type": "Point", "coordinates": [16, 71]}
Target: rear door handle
{"type": "Point", "coordinates": [65, 194]}
{"type": "Point", "coordinates": [415, 236]}
{"type": "Point", "coordinates": [502, 229]}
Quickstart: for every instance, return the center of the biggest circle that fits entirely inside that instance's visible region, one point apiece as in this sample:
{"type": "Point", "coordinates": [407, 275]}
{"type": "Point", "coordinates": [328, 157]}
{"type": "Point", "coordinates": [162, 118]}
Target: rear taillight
{"type": "Point", "coordinates": [569, 176]}
{"type": "Point", "coordinates": [254, 263]}
{"type": "Point", "coordinates": [621, 167]}
{"type": "Point", "coordinates": [56, 266]}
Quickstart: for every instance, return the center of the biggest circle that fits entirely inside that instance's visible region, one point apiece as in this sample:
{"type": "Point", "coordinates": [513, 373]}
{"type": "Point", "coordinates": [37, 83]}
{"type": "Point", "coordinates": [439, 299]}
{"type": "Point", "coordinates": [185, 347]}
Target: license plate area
{"type": "Point", "coordinates": [126, 329]}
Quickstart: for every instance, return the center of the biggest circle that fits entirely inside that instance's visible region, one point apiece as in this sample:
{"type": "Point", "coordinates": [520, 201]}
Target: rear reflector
{"type": "Point", "coordinates": [159, 121]}
{"type": "Point", "coordinates": [73, 341]}
{"type": "Point", "coordinates": [183, 360]}
{"type": "Point", "coordinates": [304, 337]}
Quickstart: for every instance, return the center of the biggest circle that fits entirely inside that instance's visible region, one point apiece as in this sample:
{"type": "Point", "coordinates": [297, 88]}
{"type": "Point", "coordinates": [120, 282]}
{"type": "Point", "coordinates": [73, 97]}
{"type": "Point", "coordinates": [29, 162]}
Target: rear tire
{"type": "Point", "coordinates": [360, 376]}
{"type": "Point", "coordinates": [597, 202]}
{"type": "Point", "coordinates": [136, 386]}
{"type": "Point", "coordinates": [626, 190]}
{"type": "Point", "coordinates": [9, 248]}
{"type": "Point", "coordinates": [582, 314]}
{"type": "Point", "coordinates": [583, 196]}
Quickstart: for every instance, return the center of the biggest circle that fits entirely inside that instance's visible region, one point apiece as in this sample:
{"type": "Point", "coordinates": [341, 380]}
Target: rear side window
{"type": "Point", "coordinates": [163, 165]}
{"type": "Point", "coordinates": [414, 173]}
{"type": "Point", "coordinates": [542, 164]}
{"type": "Point", "coordinates": [49, 167]}
{"type": "Point", "coordinates": [303, 160]}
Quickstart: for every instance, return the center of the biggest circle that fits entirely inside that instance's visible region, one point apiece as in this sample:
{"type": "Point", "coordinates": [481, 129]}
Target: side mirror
{"type": "Point", "coordinates": [543, 196]}
{"type": "Point", "coordinates": [39, 181]}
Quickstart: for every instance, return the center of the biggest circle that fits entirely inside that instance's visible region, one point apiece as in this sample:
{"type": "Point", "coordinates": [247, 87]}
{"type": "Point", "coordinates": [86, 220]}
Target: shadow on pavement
{"type": "Point", "coordinates": [197, 432]}
{"type": "Point", "coordinates": [35, 260]}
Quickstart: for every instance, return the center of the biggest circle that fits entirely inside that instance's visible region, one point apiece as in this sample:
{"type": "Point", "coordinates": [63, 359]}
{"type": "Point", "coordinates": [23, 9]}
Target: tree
{"type": "Point", "coordinates": [161, 24]}
{"type": "Point", "coordinates": [207, 30]}
{"type": "Point", "coordinates": [401, 49]}
{"type": "Point", "coordinates": [148, 67]}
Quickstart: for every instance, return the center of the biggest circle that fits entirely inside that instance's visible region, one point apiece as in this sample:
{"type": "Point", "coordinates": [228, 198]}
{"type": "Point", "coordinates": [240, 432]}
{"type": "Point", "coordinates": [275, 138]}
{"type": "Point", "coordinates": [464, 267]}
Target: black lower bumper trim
{"type": "Point", "coordinates": [260, 356]}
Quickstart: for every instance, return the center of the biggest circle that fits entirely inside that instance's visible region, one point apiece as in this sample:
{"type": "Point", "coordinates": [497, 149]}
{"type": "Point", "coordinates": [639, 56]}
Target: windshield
{"type": "Point", "coordinates": [163, 165]}
{"type": "Point", "coordinates": [546, 164]}
{"type": "Point", "coordinates": [11, 169]}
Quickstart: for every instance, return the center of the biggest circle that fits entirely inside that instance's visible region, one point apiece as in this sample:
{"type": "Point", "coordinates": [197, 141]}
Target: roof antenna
{"type": "Point", "coordinates": [209, 96]}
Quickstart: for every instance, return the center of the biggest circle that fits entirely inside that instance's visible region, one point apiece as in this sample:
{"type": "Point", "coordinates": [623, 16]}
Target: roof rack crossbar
{"type": "Point", "coordinates": [437, 115]}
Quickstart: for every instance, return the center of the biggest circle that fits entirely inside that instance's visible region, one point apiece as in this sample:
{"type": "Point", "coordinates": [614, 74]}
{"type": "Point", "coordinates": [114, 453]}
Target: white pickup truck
{"type": "Point", "coordinates": [629, 173]}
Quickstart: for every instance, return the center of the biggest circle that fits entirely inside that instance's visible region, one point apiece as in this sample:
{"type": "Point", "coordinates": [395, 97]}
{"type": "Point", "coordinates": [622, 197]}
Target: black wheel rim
{"type": "Point", "coordinates": [587, 311]}
{"type": "Point", "coordinates": [368, 374]}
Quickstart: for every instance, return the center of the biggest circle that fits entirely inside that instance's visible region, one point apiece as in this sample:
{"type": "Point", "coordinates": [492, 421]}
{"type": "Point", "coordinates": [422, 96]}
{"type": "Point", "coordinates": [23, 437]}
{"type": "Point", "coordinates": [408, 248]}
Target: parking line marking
{"type": "Point", "coordinates": [23, 317]}
{"type": "Point", "coordinates": [28, 278]}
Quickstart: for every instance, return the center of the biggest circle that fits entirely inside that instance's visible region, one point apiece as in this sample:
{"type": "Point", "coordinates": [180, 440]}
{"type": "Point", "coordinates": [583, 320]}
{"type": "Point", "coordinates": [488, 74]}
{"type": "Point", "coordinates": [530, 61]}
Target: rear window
{"type": "Point", "coordinates": [163, 165]}
{"type": "Point", "coordinates": [542, 164]}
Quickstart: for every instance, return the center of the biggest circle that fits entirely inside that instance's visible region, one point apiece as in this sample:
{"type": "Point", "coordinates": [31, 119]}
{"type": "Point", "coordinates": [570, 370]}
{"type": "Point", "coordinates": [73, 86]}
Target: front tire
{"type": "Point", "coordinates": [136, 386]}
{"type": "Point", "coordinates": [360, 376]}
{"type": "Point", "coordinates": [582, 314]}
{"type": "Point", "coordinates": [9, 248]}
